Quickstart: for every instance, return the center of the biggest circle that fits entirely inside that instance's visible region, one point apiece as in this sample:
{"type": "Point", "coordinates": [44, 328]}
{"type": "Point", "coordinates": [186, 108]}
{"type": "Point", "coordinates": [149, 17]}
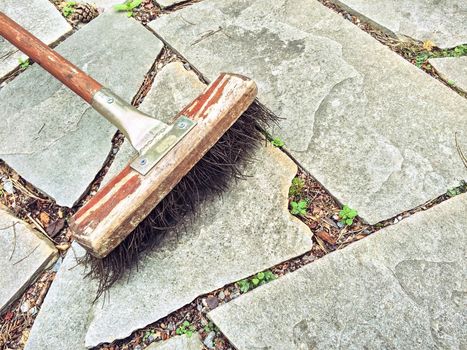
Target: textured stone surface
{"type": "Point", "coordinates": [39, 17]}
{"type": "Point", "coordinates": [179, 343]}
{"type": "Point", "coordinates": [51, 137]}
{"type": "Point", "coordinates": [442, 22]}
{"type": "Point", "coordinates": [366, 126]}
{"type": "Point", "coordinates": [167, 3]}
{"type": "Point", "coordinates": [24, 254]}
{"type": "Point", "coordinates": [452, 69]}
{"type": "Point", "coordinates": [63, 317]}
{"type": "Point", "coordinates": [172, 89]}
{"type": "Point", "coordinates": [405, 287]}
{"type": "Point", "coordinates": [247, 230]}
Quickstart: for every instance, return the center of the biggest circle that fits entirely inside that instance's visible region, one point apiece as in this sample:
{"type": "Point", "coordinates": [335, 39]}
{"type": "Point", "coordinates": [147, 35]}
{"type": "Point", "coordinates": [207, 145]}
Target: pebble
{"type": "Point", "coordinates": [221, 295]}
{"type": "Point", "coordinates": [340, 224]}
{"type": "Point", "coordinates": [8, 187]}
{"type": "Point", "coordinates": [187, 66]}
{"type": "Point", "coordinates": [25, 307]}
{"type": "Point", "coordinates": [209, 340]}
{"type": "Point", "coordinates": [171, 326]}
{"type": "Point", "coordinates": [33, 311]}
{"type": "Point", "coordinates": [138, 347]}
{"type": "Point", "coordinates": [212, 302]}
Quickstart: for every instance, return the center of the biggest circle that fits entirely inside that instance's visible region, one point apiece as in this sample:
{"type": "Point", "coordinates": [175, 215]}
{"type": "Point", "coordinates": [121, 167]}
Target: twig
{"type": "Point", "coordinates": [39, 226]}
{"type": "Point", "coordinates": [14, 241]}
{"type": "Point", "coordinates": [27, 256]}
{"type": "Point", "coordinates": [24, 189]}
{"type": "Point", "coordinates": [461, 154]}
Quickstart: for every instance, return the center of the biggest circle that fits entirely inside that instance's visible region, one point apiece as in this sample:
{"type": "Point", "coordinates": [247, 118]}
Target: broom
{"type": "Point", "coordinates": [178, 165]}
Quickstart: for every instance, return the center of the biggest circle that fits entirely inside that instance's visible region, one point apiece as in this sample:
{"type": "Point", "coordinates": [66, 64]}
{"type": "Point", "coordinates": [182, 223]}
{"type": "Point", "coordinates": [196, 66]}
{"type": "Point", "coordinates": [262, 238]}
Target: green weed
{"type": "Point", "coordinates": [185, 328]}
{"type": "Point", "coordinates": [24, 63]}
{"type": "Point", "coordinates": [257, 280]}
{"type": "Point", "coordinates": [69, 8]}
{"type": "Point", "coordinates": [299, 208]}
{"type": "Point", "coordinates": [347, 215]}
{"type": "Point", "coordinates": [462, 188]}
{"type": "Point", "coordinates": [277, 142]}
{"type": "Point", "coordinates": [424, 56]}
{"type": "Point", "coordinates": [128, 6]}
{"type": "Point", "coordinates": [297, 187]}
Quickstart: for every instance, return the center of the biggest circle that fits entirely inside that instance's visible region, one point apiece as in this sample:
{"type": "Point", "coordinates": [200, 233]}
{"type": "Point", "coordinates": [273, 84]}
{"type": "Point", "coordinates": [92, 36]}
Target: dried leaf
{"type": "Point", "coordinates": [55, 227]}
{"type": "Point", "coordinates": [428, 45]}
{"type": "Point", "coordinates": [44, 218]}
{"type": "Point", "coordinates": [325, 236]}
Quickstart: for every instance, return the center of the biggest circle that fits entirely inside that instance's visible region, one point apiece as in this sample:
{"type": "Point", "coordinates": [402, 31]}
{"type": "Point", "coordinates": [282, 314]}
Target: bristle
{"type": "Point", "coordinates": [212, 174]}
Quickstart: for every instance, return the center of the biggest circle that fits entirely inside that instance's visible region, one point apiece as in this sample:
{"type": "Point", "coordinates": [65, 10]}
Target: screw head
{"type": "Point", "coordinates": [182, 124]}
{"type": "Point", "coordinates": [143, 161]}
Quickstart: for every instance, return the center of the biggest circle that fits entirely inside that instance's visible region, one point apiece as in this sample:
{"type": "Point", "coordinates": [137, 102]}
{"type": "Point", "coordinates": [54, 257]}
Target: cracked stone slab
{"type": "Point", "coordinates": [247, 230]}
{"type": "Point", "coordinates": [39, 17]}
{"type": "Point", "coordinates": [452, 69]}
{"type": "Point", "coordinates": [25, 253]}
{"type": "Point", "coordinates": [405, 287]}
{"type": "Point", "coordinates": [442, 22]}
{"type": "Point", "coordinates": [63, 318]}
{"type": "Point", "coordinates": [367, 126]}
{"type": "Point", "coordinates": [182, 342]}
{"type": "Point", "coordinates": [50, 136]}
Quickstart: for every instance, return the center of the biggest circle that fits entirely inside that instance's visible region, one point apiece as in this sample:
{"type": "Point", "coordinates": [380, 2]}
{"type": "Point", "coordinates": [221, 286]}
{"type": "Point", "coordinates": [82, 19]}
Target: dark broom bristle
{"type": "Point", "coordinates": [212, 174]}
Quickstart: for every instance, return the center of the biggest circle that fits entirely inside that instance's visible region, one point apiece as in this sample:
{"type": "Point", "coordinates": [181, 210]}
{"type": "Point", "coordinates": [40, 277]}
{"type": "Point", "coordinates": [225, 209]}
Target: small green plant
{"type": "Point", "coordinates": [128, 6]}
{"type": "Point", "coordinates": [210, 327]}
{"type": "Point", "coordinates": [422, 57]}
{"type": "Point", "coordinates": [347, 215]}
{"type": "Point", "coordinates": [148, 335]}
{"type": "Point", "coordinates": [451, 82]}
{"type": "Point", "coordinates": [24, 63]}
{"type": "Point", "coordinates": [296, 187]}
{"type": "Point", "coordinates": [462, 188]}
{"type": "Point", "coordinates": [185, 328]}
{"type": "Point", "coordinates": [277, 142]}
{"type": "Point", "coordinates": [69, 8]}
{"type": "Point", "coordinates": [299, 208]}
{"type": "Point", "coordinates": [257, 280]}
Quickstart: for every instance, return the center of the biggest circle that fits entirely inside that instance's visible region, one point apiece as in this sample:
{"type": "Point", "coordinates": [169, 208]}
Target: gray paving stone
{"type": "Point", "coordinates": [247, 230]}
{"type": "Point", "coordinates": [173, 88]}
{"type": "Point", "coordinates": [25, 253]}
{"type": "Point", "coordinates": [51, 137]}
{"type": "Point", "coordinates": [442, 22]}
{"type": "Point", "coordinates": [405, 287]}
{"type": "Point", "coordinates": [362, 120]}
{"type": "Point", "coordinates": [179, 343]}
{"type": "Point", "coordinates": [452, 69]}
{"type": "Point", "coordinates": [167, 3]}
{"type": "Point", "coordinates": [39, 17]}
{"type": "Point", "coordinates": [63, 318]}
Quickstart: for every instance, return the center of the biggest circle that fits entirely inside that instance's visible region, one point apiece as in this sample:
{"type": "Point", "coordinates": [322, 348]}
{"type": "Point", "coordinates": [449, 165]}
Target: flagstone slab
{"type": "Point", "coordinates": [362, 120]}
{"type": "Point", "coordinates": [50, 136]}
{"type": "Point", "coordinates": [168, 3]}
{"type": "Point", "coordinates": [404, 287]}
{"type": "Point", "coordinates": [64, 315]}
{"type": "Point", "coordinates": [39, 17]}
{"type": "Point", "coordinates": [182, 342]}
{"type": "Point", "coordinates": [452, 69]}
{"type": "Point", "coordinates": [25, 253]}
{"type": "Point", "coordinates": [442, 22]}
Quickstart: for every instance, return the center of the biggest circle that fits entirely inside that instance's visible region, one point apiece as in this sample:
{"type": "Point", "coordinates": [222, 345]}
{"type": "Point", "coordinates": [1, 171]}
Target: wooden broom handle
{"type": "Point", "coordinates": [70, 75]}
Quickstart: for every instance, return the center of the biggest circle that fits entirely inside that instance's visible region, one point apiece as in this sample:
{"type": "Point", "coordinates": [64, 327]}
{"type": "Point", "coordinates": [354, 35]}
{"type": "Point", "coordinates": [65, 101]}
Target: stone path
{"type": "Point", "coordinates": [442, 22]}
{"type": "Point", "coordinates": [346, 110]}
{"type": "Point", "coordinates": [453, 70]}
{"type": "Point", "coordinates": [190, 263]}
{"type": "Point", "coordinates": [403, 288]}
{"type": "Point", "coordinates": [375, 130]}
{"type": "Point", "coordinates": [24, 255]}
{"type": "Point", "coordinates": [51, 137]}
{"type": "Point", "coordinates": [42, 19]}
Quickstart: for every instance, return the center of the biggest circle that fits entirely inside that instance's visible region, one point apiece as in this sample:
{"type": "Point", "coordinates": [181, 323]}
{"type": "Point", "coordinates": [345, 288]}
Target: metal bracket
{"type": "Point", "coordinates": [149, 158]}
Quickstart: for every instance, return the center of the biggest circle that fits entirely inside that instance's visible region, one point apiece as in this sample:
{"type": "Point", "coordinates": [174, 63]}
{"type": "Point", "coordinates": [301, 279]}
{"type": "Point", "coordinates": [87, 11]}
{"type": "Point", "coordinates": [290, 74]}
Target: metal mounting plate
{"type": "Point", "coordinates": [146, 161]}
